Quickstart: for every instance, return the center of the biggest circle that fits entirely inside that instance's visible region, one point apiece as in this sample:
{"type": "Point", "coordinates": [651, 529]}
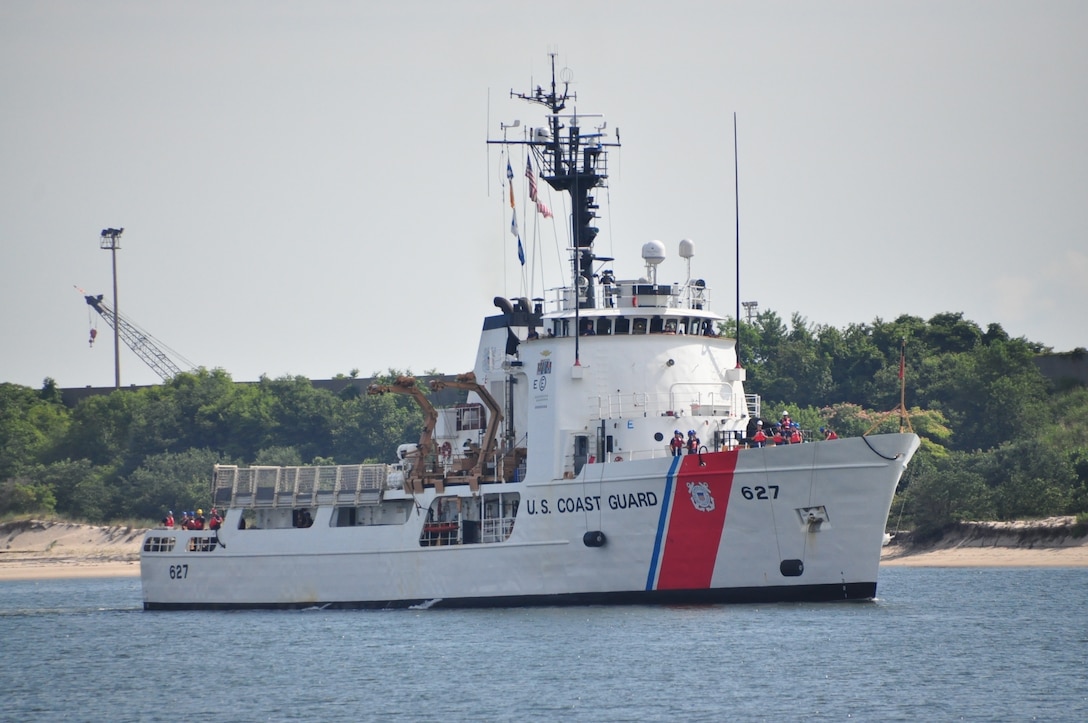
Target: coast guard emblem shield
{"type": "Point", "coordinates": [700, 496]}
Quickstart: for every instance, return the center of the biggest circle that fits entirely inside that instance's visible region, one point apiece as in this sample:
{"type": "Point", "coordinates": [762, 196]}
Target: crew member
{"type": "Point", "coordinates": [677, 443]}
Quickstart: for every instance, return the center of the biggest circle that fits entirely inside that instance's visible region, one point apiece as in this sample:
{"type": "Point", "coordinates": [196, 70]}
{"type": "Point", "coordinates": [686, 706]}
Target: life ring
{"type": "Point", "coordinates": [618, 458]}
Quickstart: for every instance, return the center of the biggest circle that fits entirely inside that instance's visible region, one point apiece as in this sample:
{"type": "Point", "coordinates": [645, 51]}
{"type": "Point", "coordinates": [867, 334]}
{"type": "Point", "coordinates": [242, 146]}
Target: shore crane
{"type": "Point", "coordinates": [145, 346]}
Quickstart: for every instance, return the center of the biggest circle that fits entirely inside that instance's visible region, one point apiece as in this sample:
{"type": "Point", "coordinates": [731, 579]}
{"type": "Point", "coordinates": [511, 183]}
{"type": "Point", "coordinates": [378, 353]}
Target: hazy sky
{"type": "Point", "coordinates": [305, 187]}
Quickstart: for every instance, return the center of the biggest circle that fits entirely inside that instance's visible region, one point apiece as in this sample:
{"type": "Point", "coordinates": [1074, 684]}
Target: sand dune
{"type": "Point", "coordinates": [1053, 542]}
{"type": "Point", "coordinates": [43, 549]}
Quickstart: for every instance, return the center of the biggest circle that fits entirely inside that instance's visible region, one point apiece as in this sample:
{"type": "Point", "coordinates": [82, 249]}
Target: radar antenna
{"type": "Point", "coordinates": [573, 162]}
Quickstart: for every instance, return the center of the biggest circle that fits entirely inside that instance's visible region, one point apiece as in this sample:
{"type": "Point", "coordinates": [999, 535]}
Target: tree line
{"type": "Point", "coordinates": [999, 440]}
{"type": "Point", "coordinates": [133, 454]}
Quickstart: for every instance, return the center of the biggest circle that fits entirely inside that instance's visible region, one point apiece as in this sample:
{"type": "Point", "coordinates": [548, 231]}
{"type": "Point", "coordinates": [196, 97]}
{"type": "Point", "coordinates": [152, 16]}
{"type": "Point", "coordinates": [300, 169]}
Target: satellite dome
{"type": "Point", "coordinates": [687, 248]}
{"type": "Point", "coordinates": [653, 252]}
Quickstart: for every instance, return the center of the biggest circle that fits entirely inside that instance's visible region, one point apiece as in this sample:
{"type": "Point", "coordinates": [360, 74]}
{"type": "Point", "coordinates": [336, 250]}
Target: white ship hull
{"type": "Point", "coordinates": [789, 523]}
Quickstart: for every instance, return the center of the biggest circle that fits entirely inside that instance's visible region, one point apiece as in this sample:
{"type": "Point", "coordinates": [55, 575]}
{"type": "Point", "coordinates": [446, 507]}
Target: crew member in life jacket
{"type": "Point", "coordinates": [168, 521]}
{"type": "Point", "coordinates": [214, 520]}
{"type": "Point", "coordinates": [759, 439]}
{"type": "Point", "coordinates": [677, 443]}
{"type": "Point", "coordinates": [693, 442]}
{"type": "Point", "coordinates": [795, 434]}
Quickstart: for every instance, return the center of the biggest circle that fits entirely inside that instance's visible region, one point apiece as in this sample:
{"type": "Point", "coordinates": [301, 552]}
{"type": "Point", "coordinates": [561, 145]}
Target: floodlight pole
{"type": "Point", "coordinates": [111, 241]}
{"type": "Point", "coordinates": [750, 308]}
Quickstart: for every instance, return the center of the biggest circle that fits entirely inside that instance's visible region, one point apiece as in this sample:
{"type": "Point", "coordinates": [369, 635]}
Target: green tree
{"type": "Point", "coordinates": [945, 491]}
{"type": "Point", "coordinates": [301, 416]}
{"type": "Point", "coordinates": [67, 481]}
{"type": "Point", "coordinates": [18, 496]}
{"type": "Point", "coordinates": [169, 481]}
{"type": "Point", "coordinates": [96, 497]}
{"type": "Point", "coordinates": [278, 457]}
{"type": "Point", "coordinates": [100, 429]}
{"type": "Point", "coordinates": [30, 425]}
{"type": "Point", "coordinates": [950, 333]}
{"type": "Point", "coordinates": [990, 394]}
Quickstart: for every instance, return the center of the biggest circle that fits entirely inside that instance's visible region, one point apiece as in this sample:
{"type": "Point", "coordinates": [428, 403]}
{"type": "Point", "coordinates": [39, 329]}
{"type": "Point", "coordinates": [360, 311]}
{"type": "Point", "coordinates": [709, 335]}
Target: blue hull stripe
{"type": "Point", "coordinates": [666, 505]}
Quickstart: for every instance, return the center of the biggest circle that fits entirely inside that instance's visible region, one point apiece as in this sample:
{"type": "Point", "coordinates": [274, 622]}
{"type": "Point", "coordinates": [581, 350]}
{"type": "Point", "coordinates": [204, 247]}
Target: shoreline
{"type": "Point", "coordinates": [987, 557]}
{"type": "Point", "coordinates": [56, 550]}
{"type": "Point", "coordinates": [52, 569]}
{"type": "Point", "coordinates": [1051, 542]}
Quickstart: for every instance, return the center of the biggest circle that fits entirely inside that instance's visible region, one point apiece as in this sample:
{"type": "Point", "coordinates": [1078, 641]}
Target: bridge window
{"type": "Point", "coordinates": [470, 416]}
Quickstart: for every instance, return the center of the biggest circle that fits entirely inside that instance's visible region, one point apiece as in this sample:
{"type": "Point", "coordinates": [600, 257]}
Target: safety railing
{"type": "Point", "coordinates": [355, 484]}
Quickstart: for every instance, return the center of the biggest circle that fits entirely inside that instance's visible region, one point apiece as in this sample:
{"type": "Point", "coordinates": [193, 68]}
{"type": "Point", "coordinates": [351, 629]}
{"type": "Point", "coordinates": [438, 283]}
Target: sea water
{"type": "Point", "coordinates": [938, 644]}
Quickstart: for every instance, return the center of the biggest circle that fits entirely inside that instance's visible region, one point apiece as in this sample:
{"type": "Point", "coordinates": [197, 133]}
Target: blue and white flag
{"type": "Point", "coordinates": [510, 181]}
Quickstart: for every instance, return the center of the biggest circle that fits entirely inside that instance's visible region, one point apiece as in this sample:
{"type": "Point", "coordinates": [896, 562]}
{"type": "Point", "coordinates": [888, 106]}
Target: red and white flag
{"type": "Point", "coordinates": [532, 178]}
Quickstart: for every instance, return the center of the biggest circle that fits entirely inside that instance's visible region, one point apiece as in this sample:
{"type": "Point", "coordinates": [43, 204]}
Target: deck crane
{"type": "Point", "coordinates": [138, 340]}
{"type": "Point", "coordinates": [423, 458]}
{"type": "Point", "coordinates": [473, 465]}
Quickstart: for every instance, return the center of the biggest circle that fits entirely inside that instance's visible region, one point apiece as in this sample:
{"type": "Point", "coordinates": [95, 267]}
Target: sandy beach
{"type": "Point", "coordinates": [49, 549]}
{"type": "Point", "coordinates": [54, 549]}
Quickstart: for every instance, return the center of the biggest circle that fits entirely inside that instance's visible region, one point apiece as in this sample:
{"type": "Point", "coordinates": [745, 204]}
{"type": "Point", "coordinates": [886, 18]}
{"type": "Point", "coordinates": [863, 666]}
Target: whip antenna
{"type": "Point", "coordinates": [736, 201]}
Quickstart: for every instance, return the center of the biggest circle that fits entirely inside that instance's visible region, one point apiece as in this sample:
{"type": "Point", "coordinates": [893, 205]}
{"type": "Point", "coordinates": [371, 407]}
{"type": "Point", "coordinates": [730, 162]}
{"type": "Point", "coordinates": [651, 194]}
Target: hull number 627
{"type": "Point", "coordinates": [770, 492]}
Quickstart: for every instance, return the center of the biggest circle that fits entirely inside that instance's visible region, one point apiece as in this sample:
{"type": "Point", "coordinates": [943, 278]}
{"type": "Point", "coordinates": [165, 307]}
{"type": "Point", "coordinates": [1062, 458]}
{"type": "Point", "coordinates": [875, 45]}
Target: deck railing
{"type": "Point", "coordinates": [252, 487]}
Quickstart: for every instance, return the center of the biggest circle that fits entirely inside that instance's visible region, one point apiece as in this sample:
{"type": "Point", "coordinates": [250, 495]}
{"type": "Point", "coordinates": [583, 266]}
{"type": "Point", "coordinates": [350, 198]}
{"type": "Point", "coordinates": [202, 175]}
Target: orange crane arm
{"type": "Point", "coordinates": [468, 381]}
{"type": "Point", "coordinates": [407, 385]}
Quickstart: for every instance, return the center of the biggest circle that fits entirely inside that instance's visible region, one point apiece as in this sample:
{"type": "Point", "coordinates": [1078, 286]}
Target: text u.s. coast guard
{"type": "Point", "coordinates": [590, 503]}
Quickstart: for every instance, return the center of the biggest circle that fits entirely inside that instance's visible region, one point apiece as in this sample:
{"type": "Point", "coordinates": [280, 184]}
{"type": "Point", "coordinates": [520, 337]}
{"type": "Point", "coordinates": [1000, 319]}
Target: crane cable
{"type": "Point", "coordinates": [93, 323]}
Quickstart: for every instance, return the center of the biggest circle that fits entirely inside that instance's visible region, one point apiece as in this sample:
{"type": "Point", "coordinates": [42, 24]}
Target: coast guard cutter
{"type": "Point", "coordinates": [555, 482]}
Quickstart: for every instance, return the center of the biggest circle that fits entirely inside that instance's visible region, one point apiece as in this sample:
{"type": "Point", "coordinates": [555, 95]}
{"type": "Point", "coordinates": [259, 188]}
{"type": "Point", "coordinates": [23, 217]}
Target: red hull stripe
{"type": "Point", "coordinates": [700, 496]}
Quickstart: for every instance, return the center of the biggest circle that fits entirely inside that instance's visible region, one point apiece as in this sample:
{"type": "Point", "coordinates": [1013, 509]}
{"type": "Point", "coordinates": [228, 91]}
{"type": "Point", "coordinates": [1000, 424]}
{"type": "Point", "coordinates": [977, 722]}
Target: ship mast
{"type": "Point", "coordinates": [573, 162]}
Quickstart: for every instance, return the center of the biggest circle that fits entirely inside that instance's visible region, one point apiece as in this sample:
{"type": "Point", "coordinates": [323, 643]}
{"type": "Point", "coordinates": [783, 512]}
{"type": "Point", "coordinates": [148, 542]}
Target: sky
{"type": "Point", "coordinates": [305, 187]}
